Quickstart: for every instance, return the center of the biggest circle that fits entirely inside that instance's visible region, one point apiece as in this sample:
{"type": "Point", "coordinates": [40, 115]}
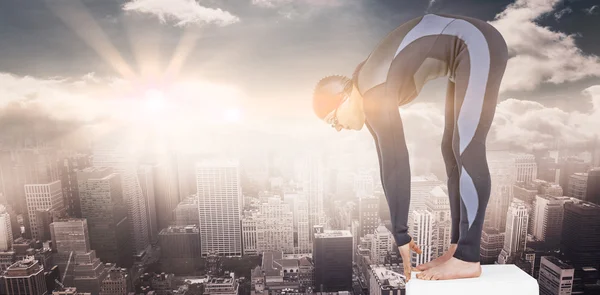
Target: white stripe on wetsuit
{"type": "Point", "coordinates": [470, 112]}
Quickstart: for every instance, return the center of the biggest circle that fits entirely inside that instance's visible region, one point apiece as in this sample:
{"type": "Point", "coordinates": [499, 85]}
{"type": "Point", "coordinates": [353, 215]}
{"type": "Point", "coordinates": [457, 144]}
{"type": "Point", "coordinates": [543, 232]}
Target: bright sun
{"type": "Point", "coordinates": [154, 100]}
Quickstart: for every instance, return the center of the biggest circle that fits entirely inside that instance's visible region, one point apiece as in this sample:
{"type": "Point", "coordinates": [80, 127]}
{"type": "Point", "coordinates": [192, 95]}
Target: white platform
{"type": "Point", "coordinates": [499, 279]}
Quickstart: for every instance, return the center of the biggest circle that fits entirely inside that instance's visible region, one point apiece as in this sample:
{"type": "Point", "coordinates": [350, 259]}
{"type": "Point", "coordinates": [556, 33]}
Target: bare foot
{"type": "Point", "coordinates": [438, 260]}
{"type": "Point", "coordinates": [452, 269]}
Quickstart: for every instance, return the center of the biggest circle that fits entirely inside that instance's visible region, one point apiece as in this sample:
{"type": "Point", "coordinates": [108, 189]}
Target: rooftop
{"type": "Point", "coordinates": [334, 234]}
{"type": "Point", "coordinates": [558, 262]}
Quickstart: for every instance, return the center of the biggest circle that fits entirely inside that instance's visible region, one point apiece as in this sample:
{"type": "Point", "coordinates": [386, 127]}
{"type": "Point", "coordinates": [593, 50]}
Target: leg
{"type": "Point", "coordinates": [475, 106]}
{"type": "Point", "coordinates": [452, 173]}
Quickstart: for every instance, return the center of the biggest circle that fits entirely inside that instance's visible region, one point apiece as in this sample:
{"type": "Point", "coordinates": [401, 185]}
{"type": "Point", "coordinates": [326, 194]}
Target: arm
{"type": "Point", "coordinates": [384, 119]}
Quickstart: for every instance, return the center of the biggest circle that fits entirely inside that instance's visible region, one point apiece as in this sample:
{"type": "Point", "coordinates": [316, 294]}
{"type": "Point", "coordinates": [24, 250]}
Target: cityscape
{"type": "Point", "coordinates": [139, 180]}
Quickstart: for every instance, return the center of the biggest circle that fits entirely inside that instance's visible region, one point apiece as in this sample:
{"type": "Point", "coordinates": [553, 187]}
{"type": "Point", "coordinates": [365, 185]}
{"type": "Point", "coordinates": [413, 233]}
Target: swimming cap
{"type": "Point", "coordinates": [329, 93]}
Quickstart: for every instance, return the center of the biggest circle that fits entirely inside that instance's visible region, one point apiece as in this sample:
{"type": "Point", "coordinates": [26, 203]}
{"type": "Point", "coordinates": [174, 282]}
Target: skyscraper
{"type": "Point", "coordinates": [43, 197]}
{"type": "Point", "coordinates": [593, 186]}
{"type": "Point", "coordinates": [525, 167]}
{"type": "Point", "coordinates": [420, 188]}
{"type": "Point", "coordinates": [6, 236]}
{"type": "Point", "coordinates": [137, 214]}
{"type": "Point", "coordinates": [147, 185]}
{"type": "Point", "coordinates": [311, 176]}
{"type": "Point", "coordinates": [548, 220]}
{"type": "Point", "coordinates": [180, 248]}
{"type": "Point", "coordinates": [383, 244]}
{"type": "Point", "coordinates": [363, 183]}
{"type": "Point", "coordinates": [422, 234]}
{"type": "Point", "coordinates": [368, 214]}
{"type": "Point", "coordinates": [516, 231]}
{"type": "Point", "coordinates": [25, 277]}
{"type": "Point", "coordinates": [219, 206]}
{"type": "Point", "coordinates": [569, 166]}
{"type": "Point", "coordinates": [104, 208]}
{"type": "Point", "coordinates": [492, 242]}
{"type": "Point", "coordinates": [501, 168]}
{"type": "Point", "coordinates": [577, 185]}
{"type": "Point", "coordinates": [304, 232]}
{"type": "Point", "coordinates": [332, 256]}
{"type": "Point", "coordinates": [556, 277]}
{"type": "Point", "coordinates": [438, 204]}
{"type": "Point", "coordinates": [68, 175]}
{"type": "Point", "coordinates": [580, 243]}
{"type": "Point", "coordinates": [274, 227]}
{"type": "Point", "coordinates": [79, 267]}
{"type": "Point", "coordinates": [166, 189]}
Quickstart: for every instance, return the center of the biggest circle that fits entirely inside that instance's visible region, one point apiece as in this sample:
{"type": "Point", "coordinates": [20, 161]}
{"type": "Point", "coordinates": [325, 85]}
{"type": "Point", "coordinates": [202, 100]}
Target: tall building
{"type": "Point", "coordinates": [186, 212]}
{"type": "Point", "coordinates": [43, 197]}
{"type": "Point", "coordinates": [70, 235]}
{"type": "Point", "coordinates": [6, 235]}
{"type": "Point", "coordinates": [68, 175]}
{"type": "Point", "coordinates": [368, 212]}
{"type": "Point", "coordinates": [363, 183]}
{"type": "Point", "coordinates": [422, 234]}
{"type": "Point", "coordinates": [492, 242]}
{"type": "Point", "coordinates": [180, 248]}
{"type": "Point", "coordinates": [556, 277]}
{"type": "Point", "coordinates": [137, 209]}
{"type": "Point", "coordinates": [592, 192]}
{"type": "Point", "coordinates": [569, 166]}
{"type": "Point", "coordinates": [77, 262]}
{"type": "Point", "coordinates": [146, 178]}
{"type": "Point", "coordinates": [580, 243]}
{"type": "Point", "coordinates": [438, 204]}
{"type": "Point", "coordinates": [22, 166]}
{"type": "Point", "coordinates": [104, 208]}
{"type": "Point", "coordinates": [117, 282]}
{"type": "Point", "coordinates": [25, 277]}
{"type": "Point", "coordinates": [166, 189]}
{"type": "Point", "coordinates": [548, 220]}
{"type": "Point", "coordinates": [577, 185]}
{"type": "Point", "coordinates": [525, 167]}
{"type": "Point", "coordinates": [502, 175]}
{"type": "Point", "coordinates": [274, 227]}
{"type": "Point", "coordinates": [332, 255]}
{"type": "Point", "coordinates": [302, 221]}
{"type": "Point", "coordinates": [383, 244]}
{"type": "Point", "coordinates": [311, 176]}
{"type": "Point", "coordinates": [516, 231]}
{"type": "Point", "coordinates": [386, 280]}
{"type": "Point", "coordinates": [250, 221]}
{"type": "Point", "coordinates": [420, 188]}
{"type": "Point", "coordinates": [219, 205]}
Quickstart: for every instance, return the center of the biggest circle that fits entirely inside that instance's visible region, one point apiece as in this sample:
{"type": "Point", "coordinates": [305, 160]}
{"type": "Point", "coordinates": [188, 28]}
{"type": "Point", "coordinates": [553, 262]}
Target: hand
{"type": "Point", "coordinates": [405, 254]}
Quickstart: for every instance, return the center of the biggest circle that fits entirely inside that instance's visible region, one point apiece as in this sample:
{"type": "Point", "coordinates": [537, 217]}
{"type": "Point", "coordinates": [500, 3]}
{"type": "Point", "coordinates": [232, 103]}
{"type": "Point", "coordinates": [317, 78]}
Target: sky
{"type": "Point", "coordinates": [193, 67]}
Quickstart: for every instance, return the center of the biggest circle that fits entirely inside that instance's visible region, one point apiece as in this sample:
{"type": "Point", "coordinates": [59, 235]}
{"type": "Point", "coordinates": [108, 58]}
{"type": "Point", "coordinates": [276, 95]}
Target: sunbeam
{"type": "Point", "coordinates": [74, 14]}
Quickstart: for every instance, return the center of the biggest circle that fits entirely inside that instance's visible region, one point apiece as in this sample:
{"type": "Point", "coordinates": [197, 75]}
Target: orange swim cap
{"type": "Point", "coordinates": [329, 93]}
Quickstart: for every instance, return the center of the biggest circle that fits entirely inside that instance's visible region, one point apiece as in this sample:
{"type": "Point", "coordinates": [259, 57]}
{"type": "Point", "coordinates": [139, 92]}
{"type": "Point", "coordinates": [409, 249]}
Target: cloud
{"type": "Point", "coordinates": [33, 110]}
{"type": "Point", "coordinates": [182, 12]}
{"type": "Point", "coordinates": [293, 9]}
{"type": "Point", "coordinates": [592, 10]}
{"type": "Point", "coordinates": [562, 12]}
{"type": "Point", "coordinates": [280, 3]}
{"type": "Point", "coordinates": [431, 2]}
{"type": "Point", "coordinates": [540, 55]}
{"type": "Point", "coordinates": [522, 124]}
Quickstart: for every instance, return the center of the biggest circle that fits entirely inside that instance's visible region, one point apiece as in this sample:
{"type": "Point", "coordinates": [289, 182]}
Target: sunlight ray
{"type": "Point", "coordinates": [75, 15]}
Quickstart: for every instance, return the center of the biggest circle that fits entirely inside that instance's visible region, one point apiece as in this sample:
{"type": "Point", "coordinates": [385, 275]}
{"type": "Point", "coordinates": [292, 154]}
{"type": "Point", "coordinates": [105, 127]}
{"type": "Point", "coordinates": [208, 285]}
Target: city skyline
{"type": "Point", "coordinates": [170, 146]}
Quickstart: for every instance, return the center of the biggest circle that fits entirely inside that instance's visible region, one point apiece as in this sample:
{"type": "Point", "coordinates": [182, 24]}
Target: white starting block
{"type": "Point", "coordinates": [499, 279]}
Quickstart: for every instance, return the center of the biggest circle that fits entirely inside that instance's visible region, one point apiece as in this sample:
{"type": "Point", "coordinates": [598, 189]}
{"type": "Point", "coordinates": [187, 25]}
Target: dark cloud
{"type": "Point", "coordinates": [26, 124]}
